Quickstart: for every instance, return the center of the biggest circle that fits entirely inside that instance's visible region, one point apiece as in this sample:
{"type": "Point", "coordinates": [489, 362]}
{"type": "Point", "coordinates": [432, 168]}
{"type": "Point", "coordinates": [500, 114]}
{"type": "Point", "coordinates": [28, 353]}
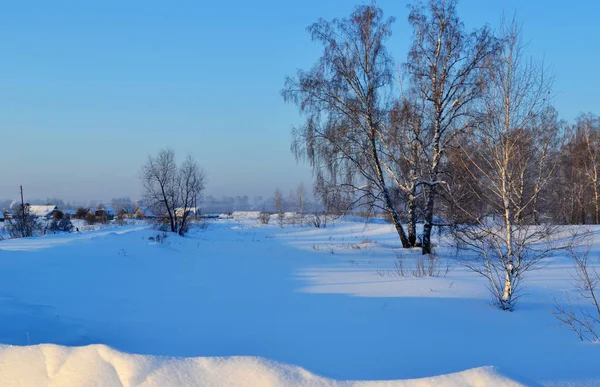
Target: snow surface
{"type": "Point", "coordinates": [321, 305]}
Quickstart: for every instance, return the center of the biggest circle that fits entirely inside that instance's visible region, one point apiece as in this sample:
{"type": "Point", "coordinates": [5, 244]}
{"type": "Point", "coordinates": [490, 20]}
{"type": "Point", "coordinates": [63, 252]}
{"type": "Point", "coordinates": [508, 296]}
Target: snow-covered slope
{"type": "Point", "coordinates": [98, 365]}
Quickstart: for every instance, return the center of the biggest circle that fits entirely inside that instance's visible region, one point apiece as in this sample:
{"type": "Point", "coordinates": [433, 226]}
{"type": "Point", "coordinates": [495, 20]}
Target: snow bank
{"type": "Point", "coordinates": [99, 365]}
{"type": "Point", "coordinates": [238, 215]}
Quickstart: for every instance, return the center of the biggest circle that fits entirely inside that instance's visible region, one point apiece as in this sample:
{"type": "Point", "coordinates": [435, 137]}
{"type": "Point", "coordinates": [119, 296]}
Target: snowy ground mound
{"type": "Point", "coordinates": [99, 365]}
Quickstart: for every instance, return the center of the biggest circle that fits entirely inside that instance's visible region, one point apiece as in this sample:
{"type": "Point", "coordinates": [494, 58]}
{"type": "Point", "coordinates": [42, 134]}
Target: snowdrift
{"type": "Point", "coordinates": [99, 365]}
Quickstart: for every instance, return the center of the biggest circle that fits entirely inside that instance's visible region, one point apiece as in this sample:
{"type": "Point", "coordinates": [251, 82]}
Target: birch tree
{"type": "Point", "coordinates": [404, 159]}
{"type": "Point", "coordinates": [588, 133]}
{"type": "Point", "coordinates": [445, 67]}
{"type": "Point", "coordinates": [345, 100]}
{"type": "Point", "coordinates": [510, 166]}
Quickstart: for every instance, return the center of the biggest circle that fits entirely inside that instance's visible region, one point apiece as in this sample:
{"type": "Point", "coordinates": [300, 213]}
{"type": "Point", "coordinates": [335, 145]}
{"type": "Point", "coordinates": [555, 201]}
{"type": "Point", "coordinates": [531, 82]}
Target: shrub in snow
{"type": "Point", "coordinates": [264, 217]}
{"type": "Point", "coordinates": [428, 265]}
{"type": "Point", "coordinates": [60, 225]}
{"type": "Point", "coordinates": [281, 219]}
{"type": "Point", "coordinates": [159, 238]}
{"type": "Point", "coordinates": [317, 220]}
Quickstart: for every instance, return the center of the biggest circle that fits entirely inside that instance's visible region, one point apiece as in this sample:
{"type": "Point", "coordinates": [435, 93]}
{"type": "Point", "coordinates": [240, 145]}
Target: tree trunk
{"type": "Point", "coordinates": [386, 194]}
{"type": "Point", "coordinates": [428, 223]}
{"type": "Point", "coordinates": [412, 219]}
{"type": "Point", "coordinates": [508, 288]}
{"type": "Point", "coordinates": [596, 203]}
{"type": "Point", "coordinates": [400, 230]}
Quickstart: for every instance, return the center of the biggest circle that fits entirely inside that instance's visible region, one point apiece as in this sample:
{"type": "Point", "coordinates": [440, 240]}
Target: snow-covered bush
{"type": "Point", "coordinates": [159, 238]}
{"type": "Point", "coordinates": [317, 220]}
{"type": "Point", "coordinates": [264, 217]}
{"type": "Point", "coordinates": [60, 225]}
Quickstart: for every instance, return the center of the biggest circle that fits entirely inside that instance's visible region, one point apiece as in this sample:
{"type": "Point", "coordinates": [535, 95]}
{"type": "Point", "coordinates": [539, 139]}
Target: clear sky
{"type": "Point", "coordinates": [89, 89]}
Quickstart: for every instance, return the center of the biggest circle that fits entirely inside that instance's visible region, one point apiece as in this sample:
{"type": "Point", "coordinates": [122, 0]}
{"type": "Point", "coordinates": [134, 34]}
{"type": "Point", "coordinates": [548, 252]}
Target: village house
{"type": "Point", "coordinates": [123, 213]}
{"type": "Point", "coordinates": [102, 214]}
{"type": "Point", "coordinates": [143, 213]}
{"type": "Point", "coordinates": [191, 212]}
{"type": "Point", "coordinates": [45, 211]}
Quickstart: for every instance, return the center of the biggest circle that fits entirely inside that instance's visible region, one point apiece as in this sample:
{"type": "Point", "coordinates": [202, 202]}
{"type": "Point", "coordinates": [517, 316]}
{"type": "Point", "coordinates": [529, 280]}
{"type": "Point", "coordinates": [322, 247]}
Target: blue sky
{"type": "Point", "coordinates": [89, 89]}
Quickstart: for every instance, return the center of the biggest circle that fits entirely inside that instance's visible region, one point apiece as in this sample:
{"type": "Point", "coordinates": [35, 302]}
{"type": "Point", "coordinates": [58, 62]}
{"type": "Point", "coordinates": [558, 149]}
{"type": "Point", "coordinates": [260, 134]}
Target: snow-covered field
{"type": "Point", "coordinates": [242, 304]}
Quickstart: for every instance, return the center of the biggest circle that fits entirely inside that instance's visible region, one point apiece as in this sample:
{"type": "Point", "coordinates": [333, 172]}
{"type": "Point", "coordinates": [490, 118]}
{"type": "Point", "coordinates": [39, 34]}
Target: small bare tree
{"type": "Point", "coordinates": [584, 321]}
{"type": "Point", "coordinates": [23, 223]}
{"type": "Point", "coordinates": [509, 166]}
{"type": "Point", "coordinates": [318, 219]}
{"type": "Point", "coordinates": [278, 200]}
{"type": "Point", "coordinates": [264, 217]}
{"type": "Point", "coordinates": [172, 190]}
{"type": "Point", "coordinates": [301, 198]}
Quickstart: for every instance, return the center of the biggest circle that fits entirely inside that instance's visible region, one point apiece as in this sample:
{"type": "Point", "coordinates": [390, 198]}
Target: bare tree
{"type": "Point", "coordinates": [508, 163]}
{"type": "Point", "coordinates": [264, 217]}
{"type": "Point", "coordinates": [584, 320]}
{"type": "Point", "coordinates": [23, 224]}
{"type": "Point", "coordinates": [159, 177]}
{"type": "Point", "coordinates": [545, 157]}
{"type": "Point", "coordinates": [301, 198]}
{"type": "Point", "coordinates": [172, 190]}
{"type": "Point", "coordinates": [445, 67]}
{"type": "Point", "coordinates": [588, 134]}
{"type": "Point", "coordinates": [345, 98]}
{"type": "Point", "coordinates": [278, 200]}
{"type": "Point", "coordinates": [191, 183]}
{"type": "Point", "coordinates": [404, 160]}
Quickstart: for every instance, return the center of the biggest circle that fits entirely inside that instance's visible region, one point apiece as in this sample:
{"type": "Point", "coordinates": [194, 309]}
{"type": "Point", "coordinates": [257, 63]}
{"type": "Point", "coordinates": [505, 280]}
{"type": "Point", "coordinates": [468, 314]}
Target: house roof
{"type": "Point", "coordinates": [180, 211]}
{"type": "Point", "coordinates": [145, 210]}
{"type": "Point", "coordinates": [108, 210]}
{"type": "Point", "coordinates": [42, 210]}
